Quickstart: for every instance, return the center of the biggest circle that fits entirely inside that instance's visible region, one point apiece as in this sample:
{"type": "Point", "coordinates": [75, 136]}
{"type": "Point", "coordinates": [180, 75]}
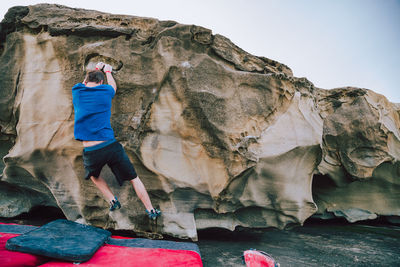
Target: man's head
{"type": "Point", "coordinates": [95, 76]}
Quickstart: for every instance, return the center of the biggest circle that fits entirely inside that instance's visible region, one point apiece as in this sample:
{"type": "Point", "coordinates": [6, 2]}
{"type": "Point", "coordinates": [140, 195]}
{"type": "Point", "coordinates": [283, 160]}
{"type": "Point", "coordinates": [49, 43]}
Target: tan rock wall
{"type": "Point", "coordinates": [220, 138]}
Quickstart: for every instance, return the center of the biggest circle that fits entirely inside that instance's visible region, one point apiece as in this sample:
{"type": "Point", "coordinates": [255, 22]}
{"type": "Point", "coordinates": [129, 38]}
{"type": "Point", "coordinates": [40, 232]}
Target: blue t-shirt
{"type": "Point", "coordinates": [92, 107]}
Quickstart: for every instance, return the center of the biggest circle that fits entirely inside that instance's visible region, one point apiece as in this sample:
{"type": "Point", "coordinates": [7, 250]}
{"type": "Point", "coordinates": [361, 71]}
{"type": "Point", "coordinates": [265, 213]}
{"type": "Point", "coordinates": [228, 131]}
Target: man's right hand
{"type": "Point", "coordinates": [107, 68]}
{"type": "Point", "coordinates": [110, 79]}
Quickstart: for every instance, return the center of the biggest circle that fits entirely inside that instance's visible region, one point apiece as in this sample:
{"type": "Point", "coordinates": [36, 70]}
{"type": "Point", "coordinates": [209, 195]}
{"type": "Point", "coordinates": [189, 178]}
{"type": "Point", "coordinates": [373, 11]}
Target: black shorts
{"type": "Point", "coordinates": [115, 157]}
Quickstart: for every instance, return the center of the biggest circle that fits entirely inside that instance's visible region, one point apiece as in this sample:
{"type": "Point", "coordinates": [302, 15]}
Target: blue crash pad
{"type": "Point", "coordinates": [61, 239]}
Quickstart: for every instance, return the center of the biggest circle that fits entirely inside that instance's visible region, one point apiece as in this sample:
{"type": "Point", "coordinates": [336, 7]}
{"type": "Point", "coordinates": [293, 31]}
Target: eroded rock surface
{"type": "Point", "coordinates": [220, 137]}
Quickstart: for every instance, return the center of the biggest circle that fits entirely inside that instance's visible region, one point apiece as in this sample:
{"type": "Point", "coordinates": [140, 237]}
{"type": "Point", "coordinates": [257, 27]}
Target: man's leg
{"type": "Point", "coordinates": [123, 169]}
{"type": "Point", "coordinates": [141, 192]}
{"type": "Point", "coordinates": [102, 185]}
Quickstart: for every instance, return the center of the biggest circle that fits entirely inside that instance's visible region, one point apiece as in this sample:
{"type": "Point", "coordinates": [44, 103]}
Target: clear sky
{"type": "Point", "coordinates": [333, 43]}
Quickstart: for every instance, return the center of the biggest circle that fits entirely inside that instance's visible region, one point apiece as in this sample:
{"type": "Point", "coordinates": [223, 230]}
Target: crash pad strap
{"type": "Point", "coordinates": [148, 243]}
{"type": "Point", "coordinates": [16, 228]}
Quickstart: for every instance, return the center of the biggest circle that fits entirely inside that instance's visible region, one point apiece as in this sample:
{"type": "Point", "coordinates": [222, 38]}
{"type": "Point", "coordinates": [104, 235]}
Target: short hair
{"type": "Point", "coordinates": [95, 76]}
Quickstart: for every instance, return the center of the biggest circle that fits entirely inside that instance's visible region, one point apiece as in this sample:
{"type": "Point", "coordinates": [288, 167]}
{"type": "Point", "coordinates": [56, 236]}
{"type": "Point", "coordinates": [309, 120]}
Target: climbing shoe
{"type": "Point", "coordinates": [114, 204]}
{"type": "Point", "coordinates": [153, 214]}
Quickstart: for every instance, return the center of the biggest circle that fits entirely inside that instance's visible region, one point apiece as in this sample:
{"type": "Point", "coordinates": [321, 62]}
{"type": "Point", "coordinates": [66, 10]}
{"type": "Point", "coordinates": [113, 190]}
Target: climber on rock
{"type": "Point", "coordinates": [92, 106]}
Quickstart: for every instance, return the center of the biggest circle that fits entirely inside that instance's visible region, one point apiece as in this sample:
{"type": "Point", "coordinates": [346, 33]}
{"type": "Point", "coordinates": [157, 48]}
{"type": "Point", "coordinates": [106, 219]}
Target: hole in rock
{"type": "Point", "coordinates": [239, 234]}
{"type": "Point", "coordinates": [92, 59]}
{"type": "Point", "coordinates": [322, 183]}
{"type": "Point", "coordinates": [323, 188]}
{"type": "Point", "coordinates": [37, 216]}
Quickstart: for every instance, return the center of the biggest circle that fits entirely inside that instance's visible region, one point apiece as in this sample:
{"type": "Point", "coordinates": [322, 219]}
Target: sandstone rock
{"type": "Point", "coordinates": [220, 137]}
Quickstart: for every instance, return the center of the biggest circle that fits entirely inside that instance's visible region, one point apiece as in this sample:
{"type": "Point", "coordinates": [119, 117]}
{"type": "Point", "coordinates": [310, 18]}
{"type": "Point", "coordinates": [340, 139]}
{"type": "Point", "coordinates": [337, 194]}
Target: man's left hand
{"type": "Point", "coordinates": [100, 66]}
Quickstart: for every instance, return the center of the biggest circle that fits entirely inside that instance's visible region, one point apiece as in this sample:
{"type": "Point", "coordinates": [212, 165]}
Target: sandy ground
{"type": "Point", "coordinates": [311, 245]}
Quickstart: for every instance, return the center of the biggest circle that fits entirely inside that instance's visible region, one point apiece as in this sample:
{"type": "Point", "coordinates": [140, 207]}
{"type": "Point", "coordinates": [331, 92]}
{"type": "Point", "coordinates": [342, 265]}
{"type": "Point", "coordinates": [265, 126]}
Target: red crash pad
{"type": "Point", "coordinates": [117, 256]}
{"type": "Point", "coordinates": [17, 259]}
{"type": "Point", "coordinates": [123, 251]}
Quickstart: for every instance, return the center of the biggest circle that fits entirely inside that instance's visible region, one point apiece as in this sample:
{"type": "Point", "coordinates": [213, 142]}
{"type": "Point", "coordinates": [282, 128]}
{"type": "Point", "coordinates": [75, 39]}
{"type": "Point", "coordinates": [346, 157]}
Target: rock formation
{"type": "Point", "coordinates": [221, 138]}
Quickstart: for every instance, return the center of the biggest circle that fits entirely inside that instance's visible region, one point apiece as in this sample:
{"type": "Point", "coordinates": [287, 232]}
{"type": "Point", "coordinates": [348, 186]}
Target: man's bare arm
{"type": "Point", "coordinates": [110, 78]}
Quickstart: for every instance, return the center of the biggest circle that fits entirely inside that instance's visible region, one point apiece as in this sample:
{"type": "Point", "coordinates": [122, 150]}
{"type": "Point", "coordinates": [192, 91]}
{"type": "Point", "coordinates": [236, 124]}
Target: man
{"type": "Point", "coordinates": [92, 105]}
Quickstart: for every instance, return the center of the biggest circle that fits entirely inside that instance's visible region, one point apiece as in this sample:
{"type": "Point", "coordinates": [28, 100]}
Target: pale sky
{"type": "Point", "coordinates": [333, 43]}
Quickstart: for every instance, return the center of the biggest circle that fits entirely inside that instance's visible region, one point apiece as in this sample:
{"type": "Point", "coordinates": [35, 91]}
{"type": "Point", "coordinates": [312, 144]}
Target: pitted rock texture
{"type": "Point", "coordinates": [220, 138]}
